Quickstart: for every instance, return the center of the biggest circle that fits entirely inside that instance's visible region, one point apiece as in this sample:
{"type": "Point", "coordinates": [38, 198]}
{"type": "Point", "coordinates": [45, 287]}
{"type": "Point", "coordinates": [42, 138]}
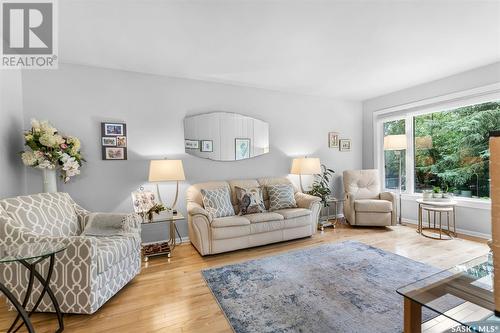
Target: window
{"type": "Point", "coordinates": [446, 149]}
{"type": "Point", "coordinates": [394, 158]}
{"type": "Point", "coordinates": [451, 149]}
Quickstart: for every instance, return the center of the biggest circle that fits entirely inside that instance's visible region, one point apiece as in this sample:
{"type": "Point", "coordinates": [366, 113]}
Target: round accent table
{"type": "Point", "coordinates": [29, 255]}
{"type": "Point", "coordinates": [435, 211]}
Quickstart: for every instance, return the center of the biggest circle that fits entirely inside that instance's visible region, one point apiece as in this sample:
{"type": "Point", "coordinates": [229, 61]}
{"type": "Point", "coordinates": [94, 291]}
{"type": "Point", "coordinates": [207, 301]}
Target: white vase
{"type": "Point", "coordinates": [49, 180]}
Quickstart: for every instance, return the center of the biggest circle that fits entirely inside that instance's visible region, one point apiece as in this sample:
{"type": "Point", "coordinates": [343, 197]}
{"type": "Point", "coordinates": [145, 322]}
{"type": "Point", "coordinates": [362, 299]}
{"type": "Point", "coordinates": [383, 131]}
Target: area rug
{"type": "Point", "coordinates": [342, 287]}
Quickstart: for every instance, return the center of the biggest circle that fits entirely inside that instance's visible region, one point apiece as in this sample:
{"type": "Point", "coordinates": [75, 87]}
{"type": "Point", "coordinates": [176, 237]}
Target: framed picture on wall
{"type": "Point", "coordinates": [242, 148]}
{"type": "Point", "coordinates": [114, 129]}
{"type": "Point", "coordinates": [333, 140]}
{"type": "Point", "coordinates": [191, 144]}
{"type": "Point", "coordinates": [109, 141]}
{"type": "Point", "coordinates": [345, 144]}
{"type": "Point", "coordinates": [113, 141]}
{"type": "Point", "coordinates": [115, 153]}
{"type": "Point", "coordinates": [207, 146]}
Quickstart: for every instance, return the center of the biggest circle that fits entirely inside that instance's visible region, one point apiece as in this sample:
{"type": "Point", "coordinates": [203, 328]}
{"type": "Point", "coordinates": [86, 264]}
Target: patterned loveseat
{"type": "Point", "coordinates": [89, 272]}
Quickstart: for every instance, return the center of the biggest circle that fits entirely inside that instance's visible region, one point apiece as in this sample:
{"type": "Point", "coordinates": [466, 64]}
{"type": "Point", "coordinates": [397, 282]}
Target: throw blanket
{"type": "Point", "coordinates": [106, 224]}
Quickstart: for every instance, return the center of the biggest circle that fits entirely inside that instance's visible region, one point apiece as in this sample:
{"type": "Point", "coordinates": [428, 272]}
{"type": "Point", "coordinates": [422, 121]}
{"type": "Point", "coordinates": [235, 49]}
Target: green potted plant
{"type": "Point", "coordinates": [437, 193]}
{"type": "Point", "coordinates": [321, 185]}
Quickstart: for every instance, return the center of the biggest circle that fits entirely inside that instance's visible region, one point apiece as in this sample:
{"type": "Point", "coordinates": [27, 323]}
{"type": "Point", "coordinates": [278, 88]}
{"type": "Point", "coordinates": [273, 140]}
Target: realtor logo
{"type": "Point", "coordinates": [28, 34]}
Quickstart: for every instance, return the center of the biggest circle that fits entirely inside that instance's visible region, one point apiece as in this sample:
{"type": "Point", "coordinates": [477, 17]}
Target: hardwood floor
{"type": "Point", "coordinates": [171, 296]}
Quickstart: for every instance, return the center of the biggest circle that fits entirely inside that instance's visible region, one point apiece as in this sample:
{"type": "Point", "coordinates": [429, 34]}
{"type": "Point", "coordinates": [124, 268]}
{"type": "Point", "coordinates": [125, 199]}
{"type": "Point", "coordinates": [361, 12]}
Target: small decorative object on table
{"type": "Point", "coordinates": [50, 152]}
{"type": "Point", "coordinates": [145, 205]}
{"type": "Point", "coordinates": [114, 141]}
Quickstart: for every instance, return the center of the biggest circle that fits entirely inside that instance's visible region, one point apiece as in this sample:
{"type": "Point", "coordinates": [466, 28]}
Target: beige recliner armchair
{"type": "Point", "coordinates": [364, 203]}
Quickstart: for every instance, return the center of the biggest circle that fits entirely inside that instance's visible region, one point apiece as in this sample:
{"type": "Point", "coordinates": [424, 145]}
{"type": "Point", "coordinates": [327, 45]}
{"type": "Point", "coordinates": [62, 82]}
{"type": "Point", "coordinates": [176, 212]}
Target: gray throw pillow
{"type": "Point", "coordinates": [281, 196]}
{"type": "Point", "coordinates": [217, 202]}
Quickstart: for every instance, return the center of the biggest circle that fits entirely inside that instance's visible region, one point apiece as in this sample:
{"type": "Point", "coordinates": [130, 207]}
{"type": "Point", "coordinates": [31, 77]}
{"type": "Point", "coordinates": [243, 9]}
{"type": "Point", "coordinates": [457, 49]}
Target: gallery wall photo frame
{"type": "Point", "coordinates": [114, 141]}
{"type": "Point", "coordinates": [345, 144]}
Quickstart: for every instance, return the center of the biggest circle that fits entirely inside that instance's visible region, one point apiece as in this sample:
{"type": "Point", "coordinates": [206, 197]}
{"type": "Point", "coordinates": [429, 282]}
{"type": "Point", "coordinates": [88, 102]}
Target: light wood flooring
{"type": "Point", "coordinates": [171, 296]}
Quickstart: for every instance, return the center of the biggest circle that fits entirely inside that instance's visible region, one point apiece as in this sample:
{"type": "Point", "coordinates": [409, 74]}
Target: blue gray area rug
{"type": "Point", "coordinates": [342, 287]}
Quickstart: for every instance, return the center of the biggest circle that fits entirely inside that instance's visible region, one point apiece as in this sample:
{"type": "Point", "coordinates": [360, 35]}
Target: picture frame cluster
{"type": "Point", "coordinates": [334, 141]}
{"type": "Point", "coordinates": [114, 141]}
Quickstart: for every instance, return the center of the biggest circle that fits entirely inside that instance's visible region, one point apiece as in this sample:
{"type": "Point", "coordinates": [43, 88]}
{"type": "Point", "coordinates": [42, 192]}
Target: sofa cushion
{"type": "Point", "coordinates": [111, 250]}
{"type": "Point", "coordinates": [264, 217]}
{"type": "Point", "coordinates": [250, 200]}
{"type": "Point", "coordinates": [281, 196]}
{"type": "Point", "coordinates": [229, 221]}
{"type": "Point", "coordinates": [372, 206]}
{"type": "Point", "coordinates": [217, 202]}
{"type": "Point", "coordinates": [291, 213]}
{"type": "Point", "coordinates": [269, 226]}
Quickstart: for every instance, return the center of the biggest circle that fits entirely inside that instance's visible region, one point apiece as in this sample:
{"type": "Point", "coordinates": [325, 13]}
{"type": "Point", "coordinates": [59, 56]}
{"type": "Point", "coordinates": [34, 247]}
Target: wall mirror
{"type": "Point", "coordinates": [225, 136]}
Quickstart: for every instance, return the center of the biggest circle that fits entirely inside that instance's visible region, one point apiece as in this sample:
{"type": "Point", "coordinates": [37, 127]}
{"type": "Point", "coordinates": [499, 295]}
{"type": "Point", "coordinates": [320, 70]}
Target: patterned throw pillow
{"type": "Point", "coordinates": [217, 202]}
{"type": "Point", "coordinates": [250, 200]}
{"type": "Point", "coordinates": [281, 196]}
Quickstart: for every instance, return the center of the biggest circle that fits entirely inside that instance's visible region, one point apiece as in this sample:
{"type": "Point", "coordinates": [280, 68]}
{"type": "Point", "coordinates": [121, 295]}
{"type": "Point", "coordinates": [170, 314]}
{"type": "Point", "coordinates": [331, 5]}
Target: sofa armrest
{"type": "Point", "coordinates": [390, 196]}
{"type": "Point", "coordinates": [349, 212]}
{"type": "Point", "coordinates": [196, 209]}
{"type": "Point", "coordinates": [306, 200]}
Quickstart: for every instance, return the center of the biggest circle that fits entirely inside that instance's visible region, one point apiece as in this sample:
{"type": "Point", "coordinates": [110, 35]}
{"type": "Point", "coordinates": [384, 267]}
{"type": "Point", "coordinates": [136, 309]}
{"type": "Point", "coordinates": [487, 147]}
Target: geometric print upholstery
{"type": "Point", "coordinates": [217, 202]}
{"type": "Point", "coordinates": [281, 196]}
{"type": "Point", "coordinates": [91, 269]}
{"type": "Point", "coordinates": [49, 214]}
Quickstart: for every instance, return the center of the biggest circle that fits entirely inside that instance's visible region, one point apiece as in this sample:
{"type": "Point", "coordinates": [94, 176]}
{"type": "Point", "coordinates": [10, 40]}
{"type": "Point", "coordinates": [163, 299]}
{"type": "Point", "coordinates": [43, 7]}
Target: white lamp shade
{"type": "Point", "coordinates": [305, 166]}
{"type": "Point", "coordinates": [395, 142]}
{"type": "Point", "coordinates": [166, 170]}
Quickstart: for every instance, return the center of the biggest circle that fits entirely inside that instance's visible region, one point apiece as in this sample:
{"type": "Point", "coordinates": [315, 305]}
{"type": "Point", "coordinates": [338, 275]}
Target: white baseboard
{"type": "Point", "coordinates": [460, 231]}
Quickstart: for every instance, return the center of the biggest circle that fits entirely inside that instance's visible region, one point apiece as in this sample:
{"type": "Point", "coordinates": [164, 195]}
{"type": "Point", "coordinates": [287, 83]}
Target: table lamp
{"type": "Point", "coordinates": [397, 143]}
{"type": "Point", "coordinates": [305, 166]}
{"type": "Point", "coordinates": [166, 171]}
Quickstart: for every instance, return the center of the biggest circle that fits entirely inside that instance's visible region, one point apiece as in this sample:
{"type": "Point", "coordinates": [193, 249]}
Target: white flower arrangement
{"type": "Point", "coordinates": [50, 150]}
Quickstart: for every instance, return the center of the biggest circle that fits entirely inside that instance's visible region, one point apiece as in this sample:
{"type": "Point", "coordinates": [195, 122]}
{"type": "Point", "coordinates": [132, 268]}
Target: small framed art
{"type": "Point", "coordinates": [109, 141]}
{"type": "Point", "coordinates": [114, 141]}
{"type": "Point", "coordinates": [242, 148]}
{"type": "Point", "coordinates": [333, 140]}
{"type": "Point", "coordinates": [191, 144]}
{"type": "Point", "coordinates": [345, 144]}
{"type": "Point", "coordinates": [207, 146]}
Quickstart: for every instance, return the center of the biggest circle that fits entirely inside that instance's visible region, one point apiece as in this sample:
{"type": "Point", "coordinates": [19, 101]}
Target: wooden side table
{"type": "Point", "coordinates": [163, 247]}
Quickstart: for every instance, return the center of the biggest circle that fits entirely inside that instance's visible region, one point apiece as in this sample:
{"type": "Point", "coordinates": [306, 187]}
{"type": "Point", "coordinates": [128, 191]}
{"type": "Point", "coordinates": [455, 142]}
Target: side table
{"type": "Point", "coordinates": [163, 247]}
{"type": "Point", "coordinates": [437, 208]}
{"type": "Point", "coordinates": [29, 255]}
{"type": "Point", "coordinates": [330, 220]}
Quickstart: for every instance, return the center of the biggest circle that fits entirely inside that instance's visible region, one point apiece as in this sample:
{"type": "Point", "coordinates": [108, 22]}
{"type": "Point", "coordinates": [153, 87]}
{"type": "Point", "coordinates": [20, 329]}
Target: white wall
{"type": "Point", "coordinates": [12, 175]}
{"type": "Point", "coordinates": [77, 98]}
{"type": "Point", "coordinates": [474, 221]}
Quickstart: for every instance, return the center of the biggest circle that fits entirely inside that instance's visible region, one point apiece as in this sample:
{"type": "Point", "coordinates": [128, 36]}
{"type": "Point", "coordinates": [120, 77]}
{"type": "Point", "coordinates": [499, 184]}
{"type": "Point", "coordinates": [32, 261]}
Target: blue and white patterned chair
{"type": "Point", "coordinates": [89, 272]}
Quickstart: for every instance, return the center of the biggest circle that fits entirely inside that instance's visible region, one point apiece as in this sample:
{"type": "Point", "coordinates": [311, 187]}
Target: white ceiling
{"type": "Point", "coordinates": [344, 49]}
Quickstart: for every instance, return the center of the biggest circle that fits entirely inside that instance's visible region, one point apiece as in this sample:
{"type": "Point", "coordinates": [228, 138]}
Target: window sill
{"type": "Point", "coordinates": [461, 201]}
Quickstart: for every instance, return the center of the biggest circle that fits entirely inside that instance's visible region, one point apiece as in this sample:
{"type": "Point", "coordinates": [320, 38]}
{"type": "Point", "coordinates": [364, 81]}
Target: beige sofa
{"type": "Point", "coordinates": [215, 235]}
{"type": "Point", "coordinates": [364, 203]}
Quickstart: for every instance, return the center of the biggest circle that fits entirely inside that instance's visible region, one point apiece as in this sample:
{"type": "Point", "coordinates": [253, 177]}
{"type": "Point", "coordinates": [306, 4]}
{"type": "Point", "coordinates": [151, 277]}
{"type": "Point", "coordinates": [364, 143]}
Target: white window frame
{"type": "Point", "coordinates": [408, 112]}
